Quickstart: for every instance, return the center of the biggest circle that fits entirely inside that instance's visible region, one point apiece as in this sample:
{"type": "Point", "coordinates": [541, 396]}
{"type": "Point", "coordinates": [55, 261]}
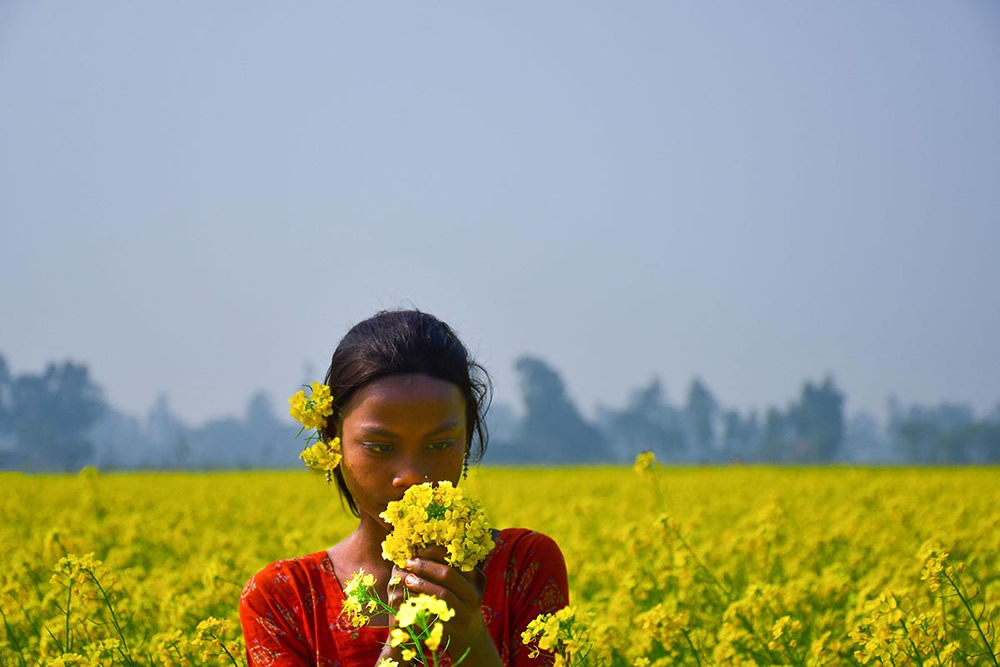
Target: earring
{"type": "Point", "coordinates": [465, 465]}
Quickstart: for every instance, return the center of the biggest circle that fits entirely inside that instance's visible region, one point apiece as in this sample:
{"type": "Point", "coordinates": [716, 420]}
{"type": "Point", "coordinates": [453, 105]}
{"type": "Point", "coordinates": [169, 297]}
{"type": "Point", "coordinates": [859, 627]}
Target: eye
{"type": "Point", "coordinates": [377, 447]}
{"type": "Point", "coordinates": [441, 445]}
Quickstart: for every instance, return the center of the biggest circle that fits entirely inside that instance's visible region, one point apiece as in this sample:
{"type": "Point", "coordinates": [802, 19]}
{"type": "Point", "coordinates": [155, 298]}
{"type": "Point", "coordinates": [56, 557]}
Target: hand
{"type": "Point", "coordinates": [462, 591]}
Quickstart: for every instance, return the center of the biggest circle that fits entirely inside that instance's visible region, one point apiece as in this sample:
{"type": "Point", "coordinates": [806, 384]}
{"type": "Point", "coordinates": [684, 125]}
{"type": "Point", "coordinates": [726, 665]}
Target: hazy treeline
{"type": "Point", "coordinates": [59, 420]}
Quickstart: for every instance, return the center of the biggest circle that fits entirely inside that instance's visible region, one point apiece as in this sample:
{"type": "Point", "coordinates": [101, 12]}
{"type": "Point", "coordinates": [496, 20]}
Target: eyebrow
{"type": "Point", "coordinates": [378, 431]}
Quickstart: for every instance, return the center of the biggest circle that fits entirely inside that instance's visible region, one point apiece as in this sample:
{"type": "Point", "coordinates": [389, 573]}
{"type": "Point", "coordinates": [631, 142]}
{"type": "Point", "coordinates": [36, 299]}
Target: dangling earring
{"type": "Point", "coordinates": [465, 465]}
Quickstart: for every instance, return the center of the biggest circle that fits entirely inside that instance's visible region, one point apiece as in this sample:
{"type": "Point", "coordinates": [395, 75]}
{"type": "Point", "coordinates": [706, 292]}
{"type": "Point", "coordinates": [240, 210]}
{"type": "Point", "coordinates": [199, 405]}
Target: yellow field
{"type": "Point", "coordinates": [688, 566]}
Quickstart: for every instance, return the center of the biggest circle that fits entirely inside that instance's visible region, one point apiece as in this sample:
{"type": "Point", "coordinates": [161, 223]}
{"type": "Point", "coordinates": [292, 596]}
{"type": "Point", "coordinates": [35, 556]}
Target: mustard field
{"type": "Point", "coordinates": [706, 566]}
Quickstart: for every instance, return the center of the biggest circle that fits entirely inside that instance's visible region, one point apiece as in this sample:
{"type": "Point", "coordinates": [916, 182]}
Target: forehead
{"type": "Point", "coordinates": [402, 401]}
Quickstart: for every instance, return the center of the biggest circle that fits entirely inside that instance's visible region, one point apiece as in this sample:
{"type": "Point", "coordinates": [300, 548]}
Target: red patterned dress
{"type": "Point", "coordinates": [291, 610]}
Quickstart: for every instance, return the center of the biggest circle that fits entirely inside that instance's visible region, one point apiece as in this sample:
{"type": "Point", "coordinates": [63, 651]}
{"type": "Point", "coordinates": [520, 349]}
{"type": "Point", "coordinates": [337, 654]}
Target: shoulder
{"type": "Point", "coordinates": [521, 545]}
{"type": "Point", "coordinates": [523, 539]}
{"type": "Point", "coordinates": [528, 573]}
{"type": "Point", "coordinates": [285, 579]}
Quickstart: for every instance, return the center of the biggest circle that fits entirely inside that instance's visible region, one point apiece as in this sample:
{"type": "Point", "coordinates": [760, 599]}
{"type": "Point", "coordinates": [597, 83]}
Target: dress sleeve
{"type": "Point", "coordinates": [269, 627]}
{"type": "Point", "coordinates": [540, 587]}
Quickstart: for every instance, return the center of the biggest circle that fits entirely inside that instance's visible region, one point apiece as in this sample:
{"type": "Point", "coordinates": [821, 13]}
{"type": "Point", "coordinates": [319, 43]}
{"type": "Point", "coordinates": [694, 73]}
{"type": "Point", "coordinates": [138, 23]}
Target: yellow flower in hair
{"type": "Point", "coordinates": [313, 410]}
{"type": "Point", "coordinates": [323, 456]}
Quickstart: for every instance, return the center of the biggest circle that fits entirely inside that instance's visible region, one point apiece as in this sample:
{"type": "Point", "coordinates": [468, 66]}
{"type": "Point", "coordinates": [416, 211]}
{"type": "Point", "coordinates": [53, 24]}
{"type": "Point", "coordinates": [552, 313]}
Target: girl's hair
{"type": "Point", "coordinates": [398, 342]}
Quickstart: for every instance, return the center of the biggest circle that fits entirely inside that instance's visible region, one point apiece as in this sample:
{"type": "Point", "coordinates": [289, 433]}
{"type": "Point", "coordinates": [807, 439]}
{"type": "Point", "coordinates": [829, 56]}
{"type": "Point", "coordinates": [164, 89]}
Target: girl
{"type": "Point", "coordinates": [409, 407]}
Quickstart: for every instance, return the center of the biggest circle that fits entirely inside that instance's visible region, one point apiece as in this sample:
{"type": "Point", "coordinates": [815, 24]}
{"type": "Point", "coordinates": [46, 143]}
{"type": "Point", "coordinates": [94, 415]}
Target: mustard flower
{"type": "Point", "coordinates": [360, 599]}
{"type": "Point", "coordinates": [433, 640]}
{"type": "Point", "coordinates": [437, 514]}
{"type": "Point", "coordinates": [323, 456]}
{"type": "Point", "coordinates": [645, 462]}
{"type": "Point", "coordinates": [561, 633]}
{"type": "Point", "coordinates": [313, 410]}
{"type": "Point", "coordinates": [420, 607]}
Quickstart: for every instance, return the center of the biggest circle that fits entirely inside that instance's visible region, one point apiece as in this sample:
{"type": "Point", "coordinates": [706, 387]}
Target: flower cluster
{"type": "Point", "coordinates": [645, 462]}
{"type": "Point", "coordinates": [360, 599]}
{"type": "Point", "coordinates": [420, 619]}
{"type": "Point", "coordinates": [312, 412]}
{"type": "Point", "coordinates": [560, 634]}
{"type": "Point", "coordinates": [437, 514]}
{"type": "Point", "coordinates": [837, 549]}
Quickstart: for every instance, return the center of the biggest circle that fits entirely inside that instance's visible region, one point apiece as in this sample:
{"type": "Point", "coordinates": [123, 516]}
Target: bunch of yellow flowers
{"type": "Point", "coordinates": [312, 412]}
{"type": "Point", "coordinates": [437, 514]}
{"type": "Point", "coordinates": [420, 620]}
{"type": "Point", "coordinates": [360, 598]}
{"type": "Point", "coordinates": [560, 633]}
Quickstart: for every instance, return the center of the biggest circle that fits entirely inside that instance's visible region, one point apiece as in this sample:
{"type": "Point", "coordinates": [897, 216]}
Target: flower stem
{"type": "Point", "coordinates": [968, 607]}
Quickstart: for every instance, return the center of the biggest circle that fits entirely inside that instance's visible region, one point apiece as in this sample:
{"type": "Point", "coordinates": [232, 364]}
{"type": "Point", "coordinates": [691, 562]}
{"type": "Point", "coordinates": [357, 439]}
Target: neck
{"type": "Point", "coordinates": [365, 545]}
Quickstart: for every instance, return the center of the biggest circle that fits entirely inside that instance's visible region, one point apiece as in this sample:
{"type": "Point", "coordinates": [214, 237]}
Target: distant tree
{"type": "Point", "coordinates": [269, 441]}
{"type": "Point", "coordinates": [984, 441]}
{"type": "Point", "coordinates": [552, 429]}
{"type": "Point", "coordinates": [8, 456]}
{"type": "Point", "coordinates": [778, 437]}
{"type": "Point", "coordinates": [741, 436]}
{"type": "Point", "coordinates": [702, 411]}
{"type": "Point", "coordinates": [947, 433]}
{"type": "Point", "coordinates": [818, 419]}
{"type": "Point", "coordinates": [52, 413]}
{"type": "Point", "coordinates": [502, 422]}
{"type": "Point", "coordinates": [648, 421]}
{"type": "Point", "coordinates": [166, 431]}
{"type": "Point", "coordinates": [6, 409]}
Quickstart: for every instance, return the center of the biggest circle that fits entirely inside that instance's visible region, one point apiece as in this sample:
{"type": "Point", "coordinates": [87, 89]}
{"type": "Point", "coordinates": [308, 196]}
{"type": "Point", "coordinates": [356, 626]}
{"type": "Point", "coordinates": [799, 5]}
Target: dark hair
{"type": "Point", "coordinates": [397, 342]}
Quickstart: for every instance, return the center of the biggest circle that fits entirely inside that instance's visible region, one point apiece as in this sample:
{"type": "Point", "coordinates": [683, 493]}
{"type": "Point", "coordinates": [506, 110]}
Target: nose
{"type": "Point", "coordinates": [410, 473]}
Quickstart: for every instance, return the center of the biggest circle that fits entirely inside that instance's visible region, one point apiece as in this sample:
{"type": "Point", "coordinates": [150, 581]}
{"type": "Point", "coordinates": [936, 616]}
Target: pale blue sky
{"type": "Point", "coordinates": [199, 198]}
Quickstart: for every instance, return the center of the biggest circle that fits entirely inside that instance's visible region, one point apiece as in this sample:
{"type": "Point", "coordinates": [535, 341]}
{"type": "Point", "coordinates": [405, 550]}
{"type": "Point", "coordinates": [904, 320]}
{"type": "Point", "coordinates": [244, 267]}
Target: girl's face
{"type": "Point", "coordinates": [399, 431]}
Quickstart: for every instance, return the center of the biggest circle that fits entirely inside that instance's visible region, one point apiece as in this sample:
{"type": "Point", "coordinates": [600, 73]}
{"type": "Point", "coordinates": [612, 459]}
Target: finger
{"type": "Point", "coordinates": [445, 577]}
{"type": "Point", "coordinates": [416, 584]}
{"type": "Point", "coordinates": [434, 552]}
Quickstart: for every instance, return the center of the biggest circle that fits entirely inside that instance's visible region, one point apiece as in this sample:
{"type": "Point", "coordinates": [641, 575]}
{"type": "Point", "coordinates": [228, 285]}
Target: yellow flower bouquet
{"type": "Point", "coordinates": [437, 514]}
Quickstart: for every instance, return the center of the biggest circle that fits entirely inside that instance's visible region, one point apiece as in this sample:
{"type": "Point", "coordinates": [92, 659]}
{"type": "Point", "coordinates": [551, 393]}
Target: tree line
{"type": "Point", "coordinates": [58, 419]}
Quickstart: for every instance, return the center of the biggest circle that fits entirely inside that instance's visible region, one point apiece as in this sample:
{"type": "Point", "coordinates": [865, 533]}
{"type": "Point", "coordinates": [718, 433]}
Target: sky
{"type": "Point", "coordinates": [199, 199]}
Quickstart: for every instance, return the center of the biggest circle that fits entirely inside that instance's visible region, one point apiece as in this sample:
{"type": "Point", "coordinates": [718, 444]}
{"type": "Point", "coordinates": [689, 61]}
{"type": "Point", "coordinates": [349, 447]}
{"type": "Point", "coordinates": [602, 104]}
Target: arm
{"type": "Point", "coordinates": [270, 638]}
{"type": "Point", "coordinates": [540, 586]}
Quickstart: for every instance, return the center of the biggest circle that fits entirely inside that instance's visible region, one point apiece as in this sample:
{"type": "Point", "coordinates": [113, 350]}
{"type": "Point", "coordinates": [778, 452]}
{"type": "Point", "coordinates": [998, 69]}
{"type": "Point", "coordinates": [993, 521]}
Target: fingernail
{"type": "Point", "coordinates": [411, 580]}
{"type": "Point", "coordinates": [411, 563]}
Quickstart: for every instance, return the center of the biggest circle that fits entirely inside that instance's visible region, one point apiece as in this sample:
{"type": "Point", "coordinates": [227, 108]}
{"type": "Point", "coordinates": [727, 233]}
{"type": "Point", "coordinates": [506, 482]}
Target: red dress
{"type": "Point", "coordinates": [291, 610]}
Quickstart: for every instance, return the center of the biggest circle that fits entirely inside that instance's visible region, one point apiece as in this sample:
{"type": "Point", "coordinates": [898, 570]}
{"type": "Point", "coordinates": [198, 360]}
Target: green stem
{"type": "Point", "coordinates": [968, 607]}
{"type": "Point", "coordinates": [753, 633]}
{"type": "Point", "coordinates": [223, 645]}
{"type": "Point", "coordinates": [936, 654]}
{"type": "Point", "coordinates": [703, 567]}
{"type": "Point", "coordinates": [124, 650]}
{"type": "Point", "coordinates": [69, 599]}
{"type": "Point", "coordinates": [13, 638]}
{"type": "Point", "coordinates": [694, 651]}
{"type": "Point", "coordinates": [916, 652]}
